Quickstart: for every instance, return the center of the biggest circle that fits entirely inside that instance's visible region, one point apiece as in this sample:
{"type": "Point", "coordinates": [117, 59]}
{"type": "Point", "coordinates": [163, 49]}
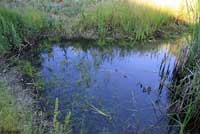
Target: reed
{"type": "Point", "coordinates": [186, 88]}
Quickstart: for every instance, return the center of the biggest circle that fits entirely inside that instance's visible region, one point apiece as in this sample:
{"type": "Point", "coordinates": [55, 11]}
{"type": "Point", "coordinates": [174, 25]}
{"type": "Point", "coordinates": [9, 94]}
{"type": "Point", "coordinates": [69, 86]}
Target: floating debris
{"type": "Point", "coordinates": [100, 112]}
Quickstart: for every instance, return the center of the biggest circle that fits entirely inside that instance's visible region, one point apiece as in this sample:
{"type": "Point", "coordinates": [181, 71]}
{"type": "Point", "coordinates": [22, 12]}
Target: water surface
{"type": "Point", "coordinates": [110, 90]}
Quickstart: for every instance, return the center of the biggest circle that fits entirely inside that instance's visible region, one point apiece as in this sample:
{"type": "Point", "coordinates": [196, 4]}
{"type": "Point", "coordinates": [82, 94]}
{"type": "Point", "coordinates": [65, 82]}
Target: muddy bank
{"type": "Point", "coordinates": [14, 79]}
{"type": "Point", "coordinates": [25, 97]}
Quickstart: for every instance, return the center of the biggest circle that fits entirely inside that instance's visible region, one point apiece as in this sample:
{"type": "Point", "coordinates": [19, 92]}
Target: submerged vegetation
{"type": "Point", "coordinates": [60, 128]}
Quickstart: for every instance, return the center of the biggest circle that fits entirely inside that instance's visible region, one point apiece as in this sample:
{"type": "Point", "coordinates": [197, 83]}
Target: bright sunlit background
{"type": "Point", "coordinates": [171, 4]}
{"type": "Point", "coordinates": [178, 8]}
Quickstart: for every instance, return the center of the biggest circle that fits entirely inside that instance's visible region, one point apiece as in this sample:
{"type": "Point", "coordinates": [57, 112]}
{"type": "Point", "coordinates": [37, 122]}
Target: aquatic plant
{"type": "Point", "coordinates": [55, 118]}
{"type": "Point", "coordinates": [67, 124]}
{"type": "Point", "coordinates": [61, 128]}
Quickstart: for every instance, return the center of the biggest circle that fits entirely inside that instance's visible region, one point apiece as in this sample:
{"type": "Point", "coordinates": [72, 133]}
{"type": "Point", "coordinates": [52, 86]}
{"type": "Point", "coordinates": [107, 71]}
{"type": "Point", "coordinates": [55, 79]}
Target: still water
{"type": "Point", "coordinates": [110, 90]}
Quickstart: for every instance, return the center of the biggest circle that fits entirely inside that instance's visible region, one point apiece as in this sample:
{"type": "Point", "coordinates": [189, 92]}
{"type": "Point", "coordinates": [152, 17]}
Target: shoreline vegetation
{"type": "Point", "coordinates": [186, 85]}
{"type": "Point", "coordinates": [28, 21]}
{"type": "Point", "coordinates": [16, 102]}
{"type": "Point", "coordinates": [23, 24]}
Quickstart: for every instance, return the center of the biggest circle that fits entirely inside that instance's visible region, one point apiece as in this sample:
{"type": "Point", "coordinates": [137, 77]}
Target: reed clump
{"type": "Point", "coordinates": [186, 88]}
{"type": "Point", "coordinates": [186, 91]}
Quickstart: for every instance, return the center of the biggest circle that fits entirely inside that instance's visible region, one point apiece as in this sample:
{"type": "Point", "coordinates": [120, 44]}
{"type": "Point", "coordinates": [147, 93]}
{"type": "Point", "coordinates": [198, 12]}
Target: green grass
{"type": "Point", "coordinates": [19, 27]}
{"type": "Point", "coordinates": [68, 8]}
{"type": "Point", "coordinates": [10, 23]}
{"type": "Point", "coordinates": [186, 96]}
{"type": "Point", "coordinates": [126, 20]}
{"type": "Point", "coordinates": [9, 116]}
{"type": "Point", "coordinates": [28, 69]}
{"type": "Point", "coordinates": [63, 13]}
{"type": "Point", "coordinates": [15, 120]}
{"type": "Point", "coordinates": [111, 19]}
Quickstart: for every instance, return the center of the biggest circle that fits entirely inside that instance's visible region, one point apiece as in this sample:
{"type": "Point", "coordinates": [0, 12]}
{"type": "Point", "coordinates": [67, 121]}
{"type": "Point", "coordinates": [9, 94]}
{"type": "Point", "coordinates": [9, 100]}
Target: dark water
{"type": "Point", "coordinates": [110, 90]}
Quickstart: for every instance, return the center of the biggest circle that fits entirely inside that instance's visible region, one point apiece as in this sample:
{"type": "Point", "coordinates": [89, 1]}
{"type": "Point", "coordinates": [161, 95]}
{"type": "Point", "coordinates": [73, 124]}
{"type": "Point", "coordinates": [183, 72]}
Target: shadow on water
{"type": "Point", "coordinates": [110, 90]}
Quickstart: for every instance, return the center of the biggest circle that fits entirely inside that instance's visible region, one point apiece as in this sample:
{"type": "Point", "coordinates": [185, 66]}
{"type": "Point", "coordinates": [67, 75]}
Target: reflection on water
{"type": "Point", "coordinates": [111, 90]}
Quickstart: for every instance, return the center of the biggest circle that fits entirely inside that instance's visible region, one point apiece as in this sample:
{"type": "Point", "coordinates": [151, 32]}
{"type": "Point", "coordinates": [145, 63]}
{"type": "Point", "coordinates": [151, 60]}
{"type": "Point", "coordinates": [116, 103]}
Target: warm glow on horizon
{"type": "Point", "coordinates": [170, 4]}
{"type": "Point", "coordinates": [177, 8]}
{"type": "Point", "coordinates": [174, 4]}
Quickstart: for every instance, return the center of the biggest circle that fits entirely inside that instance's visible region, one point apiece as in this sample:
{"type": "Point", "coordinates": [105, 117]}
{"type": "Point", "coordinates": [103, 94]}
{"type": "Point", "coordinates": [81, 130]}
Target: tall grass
{"type": "Point", "coordinates": [186, 96]}
{"type": "Point", "coordinates": [63, 12]}
{"type": "Point", "coordinates": [17, 27]}
{"type": "Point", "coordinates": [126, 20]}
{"type": "Point", "coordinates": [10, 23]}
{"type": "Point", "coordinates": [99, 19]}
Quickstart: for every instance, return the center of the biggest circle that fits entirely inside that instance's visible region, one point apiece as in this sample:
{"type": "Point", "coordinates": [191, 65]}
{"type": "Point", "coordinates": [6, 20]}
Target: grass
{"type": "Point", "coordinates": [28, 69]}
{"type": "Point", "coordinates": [15, 116]}
{"type": "Point", "coordinates": [186, 90]}
{"type": "Point", "coordinates": [10, 23]}
{"type": "Point", "coordinates": [97, 19]}
{"type": "Point", "coordinates": [19, 27]}
{"type": "Point", "coordinates": [8, 114]}
{"type": "Point", "coordinates": [135, 21]}
{"type": "Point", "coordinates": [16, 120]}
{"type": "Point", "coordinates": [63, 13]}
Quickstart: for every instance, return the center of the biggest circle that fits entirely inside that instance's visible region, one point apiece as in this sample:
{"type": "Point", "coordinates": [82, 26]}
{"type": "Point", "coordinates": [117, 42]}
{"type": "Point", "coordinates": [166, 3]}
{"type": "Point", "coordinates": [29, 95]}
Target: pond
{"type": "Point", "coordinates": [110, 90]}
